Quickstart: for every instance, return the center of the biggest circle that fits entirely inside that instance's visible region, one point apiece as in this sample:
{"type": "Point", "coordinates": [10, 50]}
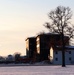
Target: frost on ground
{"type": "Point", "coordinates": [37, 70]}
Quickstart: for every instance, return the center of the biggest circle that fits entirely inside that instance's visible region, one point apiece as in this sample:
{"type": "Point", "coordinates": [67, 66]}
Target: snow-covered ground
{"type": "Point", "coordinates": [37, 70]}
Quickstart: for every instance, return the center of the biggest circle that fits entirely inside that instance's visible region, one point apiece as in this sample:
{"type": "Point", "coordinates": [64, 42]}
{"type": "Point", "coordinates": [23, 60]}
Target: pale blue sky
{"type": "Point", "coordinates": [20, 19]}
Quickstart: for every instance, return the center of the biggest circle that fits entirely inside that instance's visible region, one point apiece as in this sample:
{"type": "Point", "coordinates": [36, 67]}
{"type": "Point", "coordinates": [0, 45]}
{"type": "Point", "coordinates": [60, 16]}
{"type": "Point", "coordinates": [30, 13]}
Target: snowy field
{"type": "Point", "coordinates": [37, 70]}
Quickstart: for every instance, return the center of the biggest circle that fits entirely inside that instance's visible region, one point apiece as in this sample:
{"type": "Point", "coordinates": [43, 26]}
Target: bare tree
{"type": "Point", "coordinates": [60, 23]}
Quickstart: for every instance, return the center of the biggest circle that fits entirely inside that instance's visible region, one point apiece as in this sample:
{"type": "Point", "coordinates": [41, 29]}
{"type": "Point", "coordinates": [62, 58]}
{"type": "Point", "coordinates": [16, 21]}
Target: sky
{"type": "Point", "coordinates": [20, 19]}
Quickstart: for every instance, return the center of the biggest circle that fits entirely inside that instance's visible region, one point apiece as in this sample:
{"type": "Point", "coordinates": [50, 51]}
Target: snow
{"type": "Point", "coordinates": [37, 70]}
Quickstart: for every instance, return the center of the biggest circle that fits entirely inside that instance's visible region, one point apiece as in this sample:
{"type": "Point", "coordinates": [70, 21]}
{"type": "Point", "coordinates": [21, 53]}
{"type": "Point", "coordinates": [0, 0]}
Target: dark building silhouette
{"type": "Point", "coordinates": [38, 48]}
{"type": "Point", "coordinates": [30, 47]}
{"type": "Point", "coordinates": [45, 41]}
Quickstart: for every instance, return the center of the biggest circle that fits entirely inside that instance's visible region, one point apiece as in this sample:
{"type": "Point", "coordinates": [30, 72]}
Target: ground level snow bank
{"type": "Point", "coordinates": [37, 70]}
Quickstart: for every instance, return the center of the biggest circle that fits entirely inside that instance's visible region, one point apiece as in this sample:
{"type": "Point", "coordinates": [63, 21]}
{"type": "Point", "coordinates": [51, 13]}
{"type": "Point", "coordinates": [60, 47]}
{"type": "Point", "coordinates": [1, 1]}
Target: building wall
{"type": "Point", "coordinates": [40, 46]}
{"type": "Point", "coordinates": [69, 56]}
{"type": "Point", "coordinates": [30, 46]}
{"type": "Point", "coordinates": [57, 57]}
{"type": "Point", "coordinates": [27, 47]}
{"type": "Point", "coordinates": [44, 43]}
{"type": "Point", "coordinates": [51, 55]}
